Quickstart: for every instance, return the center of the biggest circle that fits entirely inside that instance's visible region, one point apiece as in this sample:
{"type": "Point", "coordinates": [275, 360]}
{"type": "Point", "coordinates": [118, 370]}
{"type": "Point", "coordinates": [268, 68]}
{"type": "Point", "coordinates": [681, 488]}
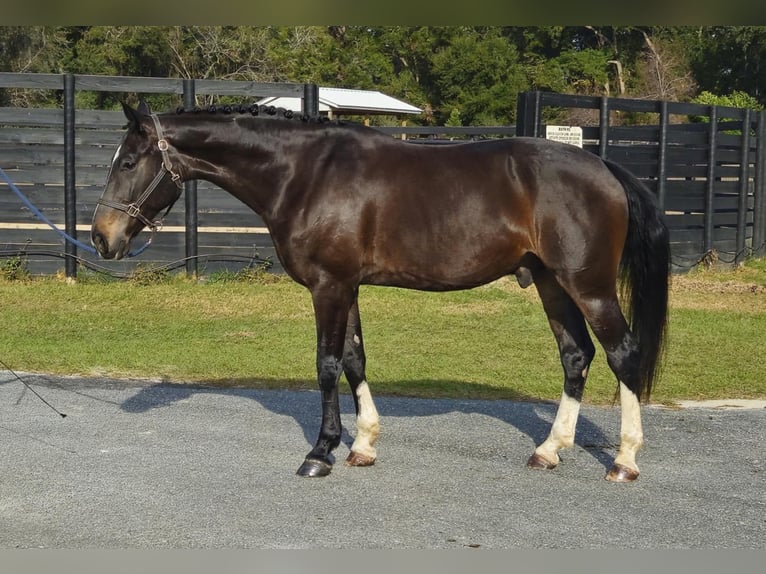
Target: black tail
{"type": "Point", "coordinates": [645, 275]}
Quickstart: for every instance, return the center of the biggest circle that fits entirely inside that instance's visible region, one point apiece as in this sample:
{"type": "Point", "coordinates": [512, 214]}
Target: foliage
{"type": "Point", "coordinates": [663, 71]}
{"type": "Point", "coordinates": [478, 70]}
{"type": "Point", "coordinates": [149, 275]}
{"type": "Point", "coordinates": [14, 269]}
{"type": "Point", "coordinates": [735, 99]}
{"type": "Point", "coordinates": [479, 73]}
{"type": "Point", "coordinates": [256, 275]}
{"type": "Point", "coordinates": [454, 120]}
{"type": "Point", "coordinates": [730, 59]}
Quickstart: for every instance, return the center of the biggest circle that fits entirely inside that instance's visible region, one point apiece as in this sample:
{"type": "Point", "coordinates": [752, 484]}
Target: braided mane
{"type": "Point", "coordinates": [254, 110]}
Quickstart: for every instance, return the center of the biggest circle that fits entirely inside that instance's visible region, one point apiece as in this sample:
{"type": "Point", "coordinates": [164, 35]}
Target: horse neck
{"type": "Point", "coordinates": [248, 162]}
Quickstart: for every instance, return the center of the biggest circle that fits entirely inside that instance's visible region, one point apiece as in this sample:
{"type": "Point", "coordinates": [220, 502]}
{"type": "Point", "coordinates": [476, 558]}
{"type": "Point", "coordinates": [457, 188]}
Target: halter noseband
{"type": "Point", "coordinates": [134, 209]}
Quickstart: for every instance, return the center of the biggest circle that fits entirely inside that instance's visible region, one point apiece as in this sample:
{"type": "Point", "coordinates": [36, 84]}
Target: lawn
{"type": "Point", "coordinates": [489, 342]}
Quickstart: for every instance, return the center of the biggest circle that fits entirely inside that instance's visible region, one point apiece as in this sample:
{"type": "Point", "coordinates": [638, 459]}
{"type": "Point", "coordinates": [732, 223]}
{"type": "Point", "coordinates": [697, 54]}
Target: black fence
{"type": "Point", "coordinates": [709, 174]}
{"type": "Point", "coordinates": [707, 165]}
{"type": "Point", "coordinates": [59, 158]}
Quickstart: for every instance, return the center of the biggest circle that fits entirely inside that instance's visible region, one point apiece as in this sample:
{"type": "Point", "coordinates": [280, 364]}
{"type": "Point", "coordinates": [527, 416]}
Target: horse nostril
{"type": "Point", "coordinates": [99, 242]}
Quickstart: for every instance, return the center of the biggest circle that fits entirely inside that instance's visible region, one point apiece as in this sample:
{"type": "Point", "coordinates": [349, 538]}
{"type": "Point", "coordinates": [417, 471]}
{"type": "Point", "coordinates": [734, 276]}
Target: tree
{"type": "Point", "coordinates": [120, 51]}
{"type": "Point", "coordinates": [454, 120]}
{"type": "Point", "coordinates": [480, 74]}
{"type": "Point", "coordinates": [478, 70]}
{"type": "Point", "coordinates": [663, 70]}
{"type": "Point", "coordinates": [731, 58]}
{"type": "Point", "coordinates": [31, 49]}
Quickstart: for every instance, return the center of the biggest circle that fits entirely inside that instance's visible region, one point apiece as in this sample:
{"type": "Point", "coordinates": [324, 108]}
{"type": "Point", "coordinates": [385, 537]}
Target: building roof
{"type": "Point", "coordinates": [341, 101]}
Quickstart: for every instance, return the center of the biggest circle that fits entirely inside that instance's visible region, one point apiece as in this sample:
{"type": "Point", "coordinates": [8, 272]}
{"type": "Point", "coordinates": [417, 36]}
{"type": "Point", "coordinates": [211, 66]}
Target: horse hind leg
{"type": "Point", "coordinates": [576, 351]}
{"type": "Point", "coordinates": [622, 354]}
{"type": "Point", "coordinates": [363, 452]}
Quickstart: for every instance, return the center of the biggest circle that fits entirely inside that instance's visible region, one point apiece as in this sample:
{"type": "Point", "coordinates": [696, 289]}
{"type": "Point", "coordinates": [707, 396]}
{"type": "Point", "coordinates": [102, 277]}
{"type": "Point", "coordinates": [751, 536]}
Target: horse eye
{"type": "Point", "coordinates": [127, 165]}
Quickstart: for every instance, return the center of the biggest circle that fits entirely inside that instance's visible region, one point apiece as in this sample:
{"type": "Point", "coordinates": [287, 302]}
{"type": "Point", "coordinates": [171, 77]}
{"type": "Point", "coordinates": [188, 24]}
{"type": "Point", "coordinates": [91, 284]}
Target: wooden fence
{"type": "Point", "coordinates": [59, 159]}
{"type": "Point", "coordinates": [709, 174]}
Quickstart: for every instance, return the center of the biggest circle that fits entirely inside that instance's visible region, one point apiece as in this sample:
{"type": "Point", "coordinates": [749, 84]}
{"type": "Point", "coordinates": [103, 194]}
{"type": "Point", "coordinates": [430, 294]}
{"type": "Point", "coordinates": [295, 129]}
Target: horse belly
{"type": "Point", "coordinates": [441, 259]}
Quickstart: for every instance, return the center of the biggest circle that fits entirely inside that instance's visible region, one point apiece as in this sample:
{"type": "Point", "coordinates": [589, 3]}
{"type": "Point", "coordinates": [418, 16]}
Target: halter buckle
{"type": "Point", "coordinates": [133, 210]}
{"type": "Point", "coordinates": [163, 144]}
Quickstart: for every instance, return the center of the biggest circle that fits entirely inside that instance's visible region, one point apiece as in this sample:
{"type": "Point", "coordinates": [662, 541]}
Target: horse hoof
{"type": "Point", "coordinates": [312, 467]}
{"type": "Point", "coordinates": [356, 459]}
{"type": "Point", "coordinates": [620, 473]}
{"type": "Point", "coordinates": [536, 461]}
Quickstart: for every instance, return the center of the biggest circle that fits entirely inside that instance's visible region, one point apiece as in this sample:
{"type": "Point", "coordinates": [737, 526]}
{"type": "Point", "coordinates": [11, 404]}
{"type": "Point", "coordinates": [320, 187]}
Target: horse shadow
{"type": "Point", "coordinates": [532, 418]}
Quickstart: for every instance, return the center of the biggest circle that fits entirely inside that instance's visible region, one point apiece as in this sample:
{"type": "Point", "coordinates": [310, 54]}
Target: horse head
{"type": "Point", "coordinates": [141, 183]}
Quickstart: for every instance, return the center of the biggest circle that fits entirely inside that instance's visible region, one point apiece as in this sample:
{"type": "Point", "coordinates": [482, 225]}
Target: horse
{"type": "Point", "coordinates": [347, 205]}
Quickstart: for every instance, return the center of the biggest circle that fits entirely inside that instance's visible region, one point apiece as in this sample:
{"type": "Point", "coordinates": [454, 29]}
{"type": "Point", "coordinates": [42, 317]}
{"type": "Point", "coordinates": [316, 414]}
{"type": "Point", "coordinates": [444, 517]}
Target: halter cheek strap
{"type": "Point", "coordinates": [162, 143]}
{"type": "Point", "coordinates": [134, 209]}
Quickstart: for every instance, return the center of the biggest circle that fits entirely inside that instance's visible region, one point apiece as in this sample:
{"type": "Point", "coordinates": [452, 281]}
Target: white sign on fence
{"type": "Point", "coordinates": [567, 134]}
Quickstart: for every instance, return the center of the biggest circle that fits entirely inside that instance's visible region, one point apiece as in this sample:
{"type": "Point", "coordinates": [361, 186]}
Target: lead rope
{"type": "Point", "coordinates": [39, 214]}
{"type": "Point", "coordinates": [12, 372]}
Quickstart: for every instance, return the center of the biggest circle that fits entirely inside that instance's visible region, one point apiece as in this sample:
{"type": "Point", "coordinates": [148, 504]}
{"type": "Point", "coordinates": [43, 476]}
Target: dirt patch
{"type": "Point", "coordinates": [715, 294]}
{"type": "Point", "coordinates": [703, 292]}
{"type": "Point", "coordinates": [684, 284]}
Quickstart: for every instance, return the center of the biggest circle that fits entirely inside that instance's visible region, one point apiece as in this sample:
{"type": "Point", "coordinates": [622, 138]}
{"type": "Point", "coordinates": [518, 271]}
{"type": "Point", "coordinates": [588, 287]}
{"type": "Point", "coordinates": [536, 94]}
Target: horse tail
{"type": "Point", "coordinates": [644, 275]}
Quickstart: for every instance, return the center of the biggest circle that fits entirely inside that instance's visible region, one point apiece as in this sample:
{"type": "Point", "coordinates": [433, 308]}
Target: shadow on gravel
{"type": "Point", "coordinates": [533, 419]}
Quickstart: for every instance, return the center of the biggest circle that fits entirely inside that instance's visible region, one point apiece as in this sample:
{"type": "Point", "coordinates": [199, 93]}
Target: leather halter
{"type": "Point", "coordinates": [134, 209]}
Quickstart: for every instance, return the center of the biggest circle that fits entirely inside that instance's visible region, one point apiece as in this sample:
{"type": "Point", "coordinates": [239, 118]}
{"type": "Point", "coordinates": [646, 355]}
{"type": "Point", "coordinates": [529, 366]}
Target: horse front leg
{"type": "Point", "coordinates": [331, 307]}
{"type": "Point", "coordinates": [363, 451]}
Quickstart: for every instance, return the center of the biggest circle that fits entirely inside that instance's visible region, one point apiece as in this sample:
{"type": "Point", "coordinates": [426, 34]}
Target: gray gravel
{"type": "Point", "coordinates": [150, 465]}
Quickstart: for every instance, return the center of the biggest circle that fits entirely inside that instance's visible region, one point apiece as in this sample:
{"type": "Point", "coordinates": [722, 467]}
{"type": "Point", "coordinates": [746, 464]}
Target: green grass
{"type": "Point", "coordinates": [258, 330]}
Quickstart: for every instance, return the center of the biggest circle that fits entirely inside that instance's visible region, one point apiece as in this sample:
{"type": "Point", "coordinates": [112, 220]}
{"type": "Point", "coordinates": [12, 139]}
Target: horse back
{"type": "Point", "coordinates": [439, 217]}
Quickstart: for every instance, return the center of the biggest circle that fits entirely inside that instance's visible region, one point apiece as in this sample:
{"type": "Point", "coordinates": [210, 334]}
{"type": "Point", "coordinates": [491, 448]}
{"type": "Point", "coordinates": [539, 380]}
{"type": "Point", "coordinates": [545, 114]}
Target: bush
{"type": "Point", "coordinates": [149, 275]}
{"type": "Point", "coordinates": [14, 269]}
{"type": "Point", "coordinates": [258, 275]}
{"type": "Point", "coordinates": [733, 100]}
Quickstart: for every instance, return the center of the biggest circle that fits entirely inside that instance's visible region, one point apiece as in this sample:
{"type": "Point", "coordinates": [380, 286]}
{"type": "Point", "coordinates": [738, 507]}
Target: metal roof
{"type": "Point", "coordinates": [349, 102]}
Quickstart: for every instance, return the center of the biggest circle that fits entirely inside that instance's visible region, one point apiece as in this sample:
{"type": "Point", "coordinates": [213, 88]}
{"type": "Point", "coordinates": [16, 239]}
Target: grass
{"type": "Point", "coordinates": [257, 329]}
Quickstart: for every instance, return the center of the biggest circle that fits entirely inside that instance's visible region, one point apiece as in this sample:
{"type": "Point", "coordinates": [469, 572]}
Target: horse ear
{"type": "Point", "coordinates": [143, 108]}
{"type": "Point", "coordinates": [134, 116]}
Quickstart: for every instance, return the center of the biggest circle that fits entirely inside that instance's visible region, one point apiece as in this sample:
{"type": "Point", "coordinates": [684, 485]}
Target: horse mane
{"type": "Point", "coordinates": [259, 111]}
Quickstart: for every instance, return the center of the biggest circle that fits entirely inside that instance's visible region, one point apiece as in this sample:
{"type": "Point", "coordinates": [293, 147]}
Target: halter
{"type": "Point", "coordinates": [134, 209]}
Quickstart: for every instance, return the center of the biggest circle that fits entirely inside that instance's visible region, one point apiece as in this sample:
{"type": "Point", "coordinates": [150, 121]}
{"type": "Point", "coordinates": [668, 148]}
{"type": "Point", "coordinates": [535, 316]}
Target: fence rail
{"type": "Point", "coordinates": [59, 159]}
{"type": "Point", "coordinates": [709, 175]}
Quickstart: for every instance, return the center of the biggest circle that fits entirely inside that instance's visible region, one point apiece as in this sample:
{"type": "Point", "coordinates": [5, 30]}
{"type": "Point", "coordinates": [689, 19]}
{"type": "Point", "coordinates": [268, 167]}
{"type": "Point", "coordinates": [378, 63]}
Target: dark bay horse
{"type": "Point", "coordinates": [347, 205]}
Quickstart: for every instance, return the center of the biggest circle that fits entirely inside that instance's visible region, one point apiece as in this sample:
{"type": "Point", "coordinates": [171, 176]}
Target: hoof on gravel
{"type": "Point", "coordinates": [536, 461]}
{"type": "Point", "coordinates": [356, 459]}
{"type": "Point", "coordinates": [313, 467]}
{"type": "Point", "coordinates": [620, 473]}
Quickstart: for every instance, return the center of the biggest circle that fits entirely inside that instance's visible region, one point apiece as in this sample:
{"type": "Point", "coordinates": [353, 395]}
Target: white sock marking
{"type": "Point", "coordinates": [631, 431]}
{"type": "Point", "coordinates": [367, 423]}
{"type": "Point", "coordinates": [563, 430]}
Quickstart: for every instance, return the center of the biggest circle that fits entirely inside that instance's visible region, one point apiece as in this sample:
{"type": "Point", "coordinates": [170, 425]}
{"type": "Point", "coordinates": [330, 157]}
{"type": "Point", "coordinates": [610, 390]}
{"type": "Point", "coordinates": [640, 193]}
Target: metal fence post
{"type": "Point", "coordinates": [744, 181]}
{"type": "Point", "coordinates": [759, 189]}
{"type": "Point", "coordinates": [603, 125]}
{"type": "Point", "coordinates": [70, 189]}
{"type": "Point", "coordinates": [310, 104]}
{"type": "Point", "coordinates": [662, 173]}
{"type": "Point", "coordinates": [710, 191]}
{"type": "Point", "coordinates": [190, 200]}
{"type": "Point", "coordinates": [528, 114]}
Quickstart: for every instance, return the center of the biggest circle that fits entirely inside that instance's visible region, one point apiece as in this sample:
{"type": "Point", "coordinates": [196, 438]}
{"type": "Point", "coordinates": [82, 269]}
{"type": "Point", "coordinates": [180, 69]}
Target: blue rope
{"type": "Point", "coordinates": [41, 217]}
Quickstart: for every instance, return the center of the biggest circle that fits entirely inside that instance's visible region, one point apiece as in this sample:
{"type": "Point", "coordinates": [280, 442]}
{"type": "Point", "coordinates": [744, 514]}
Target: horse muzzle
{"type": "Point", "coordinates": [115, 249]}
